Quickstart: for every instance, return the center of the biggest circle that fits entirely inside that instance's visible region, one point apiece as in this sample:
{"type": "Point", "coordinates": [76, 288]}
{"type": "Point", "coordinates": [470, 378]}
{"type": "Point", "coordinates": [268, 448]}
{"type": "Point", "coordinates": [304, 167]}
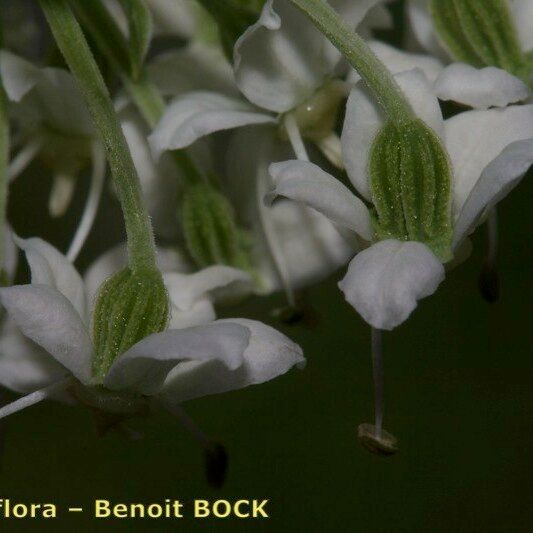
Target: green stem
{"type": "Point", "coordinates": [74, 47]}
{"type": "Point", "coordinates": [376, 75]}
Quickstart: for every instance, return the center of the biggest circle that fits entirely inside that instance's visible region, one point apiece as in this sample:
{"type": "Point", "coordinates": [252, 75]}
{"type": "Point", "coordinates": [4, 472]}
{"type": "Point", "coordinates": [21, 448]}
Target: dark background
{"type": "Point", "coordinates": [459, 398]}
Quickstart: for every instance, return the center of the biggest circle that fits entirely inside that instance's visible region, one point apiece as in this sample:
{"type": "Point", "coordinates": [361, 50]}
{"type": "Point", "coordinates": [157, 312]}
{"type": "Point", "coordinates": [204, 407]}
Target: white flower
{"type": "Point", "coordinates": [168, 367]}
{"type": "Point", "coordinates": [282, 65]}
{"type": "Point", "coordinates": [479, 88]}
{"type": "Point", "coordinates": [490, 150]}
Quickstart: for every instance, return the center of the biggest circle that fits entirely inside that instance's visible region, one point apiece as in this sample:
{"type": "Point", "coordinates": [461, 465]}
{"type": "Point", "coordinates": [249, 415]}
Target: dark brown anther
{"type": "Point", "coordinates": [216, 465]}
{"type": "Point", "coordinates": [384, 444]}
{"type": "Point", "coordinates": [489, 284]}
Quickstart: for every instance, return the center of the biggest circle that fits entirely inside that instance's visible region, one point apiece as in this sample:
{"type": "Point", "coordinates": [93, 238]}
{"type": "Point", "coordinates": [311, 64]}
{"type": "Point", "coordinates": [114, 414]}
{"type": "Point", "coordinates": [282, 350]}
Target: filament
{"type": "Point", "coordinates": [331, 147]}
{"type": "Point", "coordinates": [295, 138]}
{"type": "Point", "coordinates": [191, 426]}
{"type": "Point", "coordinates": [34, 397]}
{"type": "Point", "coordinates": [492, 234]}
{"type": "Point", "coordinates": [91, 205]}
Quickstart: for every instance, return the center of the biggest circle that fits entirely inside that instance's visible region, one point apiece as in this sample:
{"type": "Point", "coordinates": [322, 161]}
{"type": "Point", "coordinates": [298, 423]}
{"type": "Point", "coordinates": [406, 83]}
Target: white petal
{"type": "Point", "coordinates": [50, 267]}
{"type": "Point", "coordinates": [144, 367]}
{"type": "Point", "coordinates": [480, 88]}
{"type": "Point", "coordinates": [496, 181]}
{"type": "Point", "coordinates": [18, 75]}
{"type": "Point", "coordinates": [475, 138]}
{"type": "Point", "coordinates": [364, 120]}
{"type": "Point", "coordinates": [197, 67]}
{"type": "Point", "coordinates": [397, 61]}
{"type": "Point", "coordinates": [24, 366]}
{"type": "Point", "coordinates": [45, 316]}
{"type": "Point", "coordinates": [268, 355]}
{"type": "Point", "coordinates": [185, 289]}
{"type": "Point", "coordinates": [385, 281]}
{"type": "Point", "coordinates": [197, 114]}
{"type": "Point", "coordinates": [307, 183]}
{"type": "Point", "coordinates": [522, 11]}
{"type": "Point", "coordinates": [281, 60]}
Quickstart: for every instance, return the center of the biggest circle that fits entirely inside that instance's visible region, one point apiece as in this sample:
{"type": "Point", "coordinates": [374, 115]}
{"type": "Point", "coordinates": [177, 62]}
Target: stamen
{"type": "Point", "coordinates": [35, 397]}
{"type": "Point", "coordinates": [372, 436]}
{"type": "Point", "coordinates": [26, 155]}
{"type": "Point", "coordinates": [61, 194]}
{"type": "Point", "coordinates": [377, 370]}
{"type": "Point", "coordinates": [295, 138]}
{"type": "Point", "coordinates": [92, 204]}
{"type": "Point", "coordinates": [331, 147]}
{"type": "Point", "coordinates": [489, 284]}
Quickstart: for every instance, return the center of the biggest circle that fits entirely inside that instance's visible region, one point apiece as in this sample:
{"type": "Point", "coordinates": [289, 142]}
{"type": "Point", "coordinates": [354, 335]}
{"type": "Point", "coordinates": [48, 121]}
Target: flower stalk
{"type": "Point", "coordinates": [376, 75]}
{"type": "Point", "coordinates": [74, 47]}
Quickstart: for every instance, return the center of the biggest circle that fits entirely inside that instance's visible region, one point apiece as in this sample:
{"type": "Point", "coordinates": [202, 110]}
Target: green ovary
{"type": "Point", "coordinates": [410, 179]}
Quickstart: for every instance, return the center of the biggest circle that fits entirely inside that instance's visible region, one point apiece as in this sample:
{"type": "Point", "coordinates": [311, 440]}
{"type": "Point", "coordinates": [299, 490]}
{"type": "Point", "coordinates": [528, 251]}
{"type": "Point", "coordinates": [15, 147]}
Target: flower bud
{"type": "Point", "coordinates": [130, 306]}
{"type": "Point", "coordinates": [481, 33]}
{"type": "Point", "coordinates": [211, 233]}
{"type": "Point", "coordinates": [410, 180]}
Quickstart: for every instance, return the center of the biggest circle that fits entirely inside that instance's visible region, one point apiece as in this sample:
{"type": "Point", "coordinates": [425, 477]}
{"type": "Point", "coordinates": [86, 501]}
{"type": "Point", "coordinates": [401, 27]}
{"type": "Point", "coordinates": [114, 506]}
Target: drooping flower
{"type": "Point", "coordinates": [292, 92]}
{"type": "Point", "coordinates": [424, 202]}
{"type": "Point", "coordinates": [164, 368]}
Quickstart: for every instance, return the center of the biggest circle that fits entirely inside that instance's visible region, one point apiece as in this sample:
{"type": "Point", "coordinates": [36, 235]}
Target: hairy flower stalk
{"type": "Point", "coordinates": [409, 175]}
{"type": "Point", "coordinates": [133, 303]}
{"type": "Point", "coordinates": [73, 45]}
{"type": "Point", "coordinates": [378, 78]}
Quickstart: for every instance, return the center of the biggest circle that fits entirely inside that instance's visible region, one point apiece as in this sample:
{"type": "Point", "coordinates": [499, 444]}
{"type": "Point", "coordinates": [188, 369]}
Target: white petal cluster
{"type": "Point", "coordinates": [283, 128]}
